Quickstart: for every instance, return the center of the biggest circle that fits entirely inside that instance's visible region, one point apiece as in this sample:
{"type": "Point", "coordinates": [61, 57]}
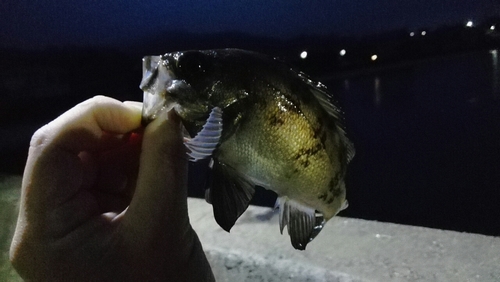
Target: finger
{"type": "Point", "coordinates": [117, 176]}
{"type": "Point", "coordinates": [85, 126]}
{"type": "Point", "coordinates": [54, 171]}
{"type": "Point", "coordinates": [159, 205]}
{"type": "Point", "coordinates": [107, 177]}
{"type": "Point", "coordinates": [135, 104]}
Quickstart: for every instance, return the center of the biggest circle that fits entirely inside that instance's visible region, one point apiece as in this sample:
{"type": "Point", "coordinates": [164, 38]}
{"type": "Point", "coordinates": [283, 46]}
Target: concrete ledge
{"type": "Point", "coordinates": [9, 198]}
{"type": "Point", "coordinates": [346, 250]}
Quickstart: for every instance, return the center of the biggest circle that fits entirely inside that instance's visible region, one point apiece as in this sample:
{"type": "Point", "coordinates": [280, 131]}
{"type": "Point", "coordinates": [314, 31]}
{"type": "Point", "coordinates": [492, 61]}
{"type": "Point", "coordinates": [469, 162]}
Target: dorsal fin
{"type": "Point", "coordinates": [321, 93]}
{"type": "Point", "coordinates": [327, 102]}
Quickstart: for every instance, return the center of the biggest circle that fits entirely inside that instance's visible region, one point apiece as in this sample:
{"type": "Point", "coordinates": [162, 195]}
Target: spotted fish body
{"type": "Point", "coordinates": [262, 124]}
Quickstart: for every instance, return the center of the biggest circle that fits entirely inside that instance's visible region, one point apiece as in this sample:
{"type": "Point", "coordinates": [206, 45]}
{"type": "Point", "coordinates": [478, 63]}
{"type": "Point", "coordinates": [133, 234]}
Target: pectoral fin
{"type": "Point", "coordinates": [303, 223]}
{"type": "Point", "coordinates": [230, 194]}
{"type": "Point", "coordinates": [206, 141]}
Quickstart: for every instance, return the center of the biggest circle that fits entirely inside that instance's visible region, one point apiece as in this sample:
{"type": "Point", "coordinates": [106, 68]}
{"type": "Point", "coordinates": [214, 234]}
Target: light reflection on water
{"type": "Point", "coordinates": [346, 85]}
{"type": "Point", "coordinates": [378, 93]}
{"type": "Point", "coordinates": [495, 85]}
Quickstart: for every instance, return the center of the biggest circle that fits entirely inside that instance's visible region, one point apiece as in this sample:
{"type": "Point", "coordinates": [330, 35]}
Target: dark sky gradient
{"type": "Point", "coordinates": [34, 24]}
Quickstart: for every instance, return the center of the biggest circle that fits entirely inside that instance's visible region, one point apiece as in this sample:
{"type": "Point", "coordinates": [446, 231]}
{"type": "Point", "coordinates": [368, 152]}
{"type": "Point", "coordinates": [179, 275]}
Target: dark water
{"type": "Point", "coordinates": [428, 143]}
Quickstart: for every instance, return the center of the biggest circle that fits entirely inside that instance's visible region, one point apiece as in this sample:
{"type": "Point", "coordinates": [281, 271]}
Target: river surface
{"type": "Point", "coordinates": [427, 139]}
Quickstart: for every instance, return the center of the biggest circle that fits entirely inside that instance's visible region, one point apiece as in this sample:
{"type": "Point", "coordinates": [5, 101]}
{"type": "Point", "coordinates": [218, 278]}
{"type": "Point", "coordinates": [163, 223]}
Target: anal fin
{"type": "Point", "coordinates": [303, 223]}
{"type": "Point", "coordinates": [230, 194]}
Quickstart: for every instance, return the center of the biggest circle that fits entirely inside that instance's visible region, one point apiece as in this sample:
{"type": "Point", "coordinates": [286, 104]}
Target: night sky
{"type": "Point", "coordinates": [37, 24]}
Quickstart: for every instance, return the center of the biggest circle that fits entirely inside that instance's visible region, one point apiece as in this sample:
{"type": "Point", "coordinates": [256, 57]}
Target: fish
{"type": "Point", "coordinates": [260, 122]}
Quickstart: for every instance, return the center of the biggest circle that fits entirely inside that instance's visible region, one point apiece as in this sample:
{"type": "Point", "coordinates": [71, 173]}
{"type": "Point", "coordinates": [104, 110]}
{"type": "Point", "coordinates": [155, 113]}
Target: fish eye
{"type": "Point", "coordinates": [192, 63]}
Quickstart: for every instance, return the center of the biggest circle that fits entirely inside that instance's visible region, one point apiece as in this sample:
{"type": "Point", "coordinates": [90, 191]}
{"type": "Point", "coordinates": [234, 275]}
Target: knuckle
{"type": "Point", "coordinates": [40, 137]}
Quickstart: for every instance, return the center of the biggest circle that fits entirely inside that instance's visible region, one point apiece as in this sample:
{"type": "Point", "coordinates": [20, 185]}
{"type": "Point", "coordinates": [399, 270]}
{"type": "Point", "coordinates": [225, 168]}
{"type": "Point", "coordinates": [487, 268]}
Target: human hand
{"type": "Point", "coordinates": [101, 203]}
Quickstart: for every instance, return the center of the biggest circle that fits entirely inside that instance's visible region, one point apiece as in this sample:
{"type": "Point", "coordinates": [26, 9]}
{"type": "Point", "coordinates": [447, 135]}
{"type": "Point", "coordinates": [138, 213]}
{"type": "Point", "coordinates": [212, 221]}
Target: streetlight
{"type": "Point", "coordinates": [342, 52]}
{"type": "Point", "coordinates": [412, 34]}
{"type": "Point", "coordinates": [374, 57]}
{"type": "Point", "coordinates": [303, 55]}
{"type": "Point", "coordinates": [469, 24]}
{"type": "Point", "coordinates": [492, 27]}
{"type": "Point", "coordinates": [423, 33]}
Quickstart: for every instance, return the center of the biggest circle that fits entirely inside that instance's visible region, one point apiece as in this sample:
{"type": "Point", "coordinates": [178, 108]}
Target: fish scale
{"type": "Point", "coordinates": [270, 153]}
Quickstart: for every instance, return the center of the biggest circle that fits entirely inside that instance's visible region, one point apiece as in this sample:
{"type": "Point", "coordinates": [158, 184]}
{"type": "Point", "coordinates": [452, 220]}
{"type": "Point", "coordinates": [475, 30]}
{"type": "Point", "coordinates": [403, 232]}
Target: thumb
{"type": "Point", "coordinates": [159, 204]}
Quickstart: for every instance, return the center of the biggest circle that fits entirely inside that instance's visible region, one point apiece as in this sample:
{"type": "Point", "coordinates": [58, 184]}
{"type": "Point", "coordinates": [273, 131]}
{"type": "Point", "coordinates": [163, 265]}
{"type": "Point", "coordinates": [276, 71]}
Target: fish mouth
{"type": "Point", "coordinates": [156, 78]}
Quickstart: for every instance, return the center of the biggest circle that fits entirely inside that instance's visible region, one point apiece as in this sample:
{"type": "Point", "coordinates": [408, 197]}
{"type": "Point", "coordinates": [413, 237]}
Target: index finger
{"type": "Point", "coordinates": [83, 126]}
{"type": "Point", "coordinates": [54, 171]}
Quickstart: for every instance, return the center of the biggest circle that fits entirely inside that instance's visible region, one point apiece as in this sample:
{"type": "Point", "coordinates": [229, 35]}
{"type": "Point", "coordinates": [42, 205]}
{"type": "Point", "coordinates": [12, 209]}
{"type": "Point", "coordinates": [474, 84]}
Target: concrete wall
{"type": "Point", "coordinates": [346, 250]}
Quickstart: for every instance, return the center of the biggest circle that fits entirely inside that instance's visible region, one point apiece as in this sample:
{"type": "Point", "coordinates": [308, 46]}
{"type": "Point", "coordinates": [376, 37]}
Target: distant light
{"type": "Point", "coordinates": [492, 27]}
{"type": "Point", "coordinates": [423, 33]}
{"type": "Point", "coordinates": [469, 24]}
{"type": "Point", "coordinates": [342, 52]}
{"type": "Point", "coordinates": [303, 55]}
{"type": "Point", "coordinates": [412, 34]}
{"type": "Point", "coordinates": [374, 57]}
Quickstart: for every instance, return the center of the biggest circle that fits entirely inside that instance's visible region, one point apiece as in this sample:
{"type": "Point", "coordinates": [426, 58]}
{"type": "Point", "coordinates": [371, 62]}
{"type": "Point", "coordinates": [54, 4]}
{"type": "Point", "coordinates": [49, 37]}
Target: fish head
{"type": "Point", "coordinates": [190, 82]}
{"type": "Point", "coordinates": [167, 83]}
